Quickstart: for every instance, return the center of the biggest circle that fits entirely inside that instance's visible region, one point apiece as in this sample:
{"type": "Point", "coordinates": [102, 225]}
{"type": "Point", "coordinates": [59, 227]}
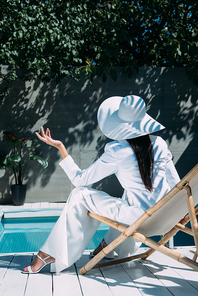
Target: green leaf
{"type": "Point", "coordinates": [29, 148]}
{"type": "Point", "coordinates": [11, 160]}
{"type": "Point", "coordinates": [179, 51]}
{"type": "Point", "coordinates": [129, 71]}
{"type": "Point", "coordinates": [113, 74]}
{"type": "Point", "coordinates": [104, 76]}
{"type": "Point", "coordinates": [40, 160]}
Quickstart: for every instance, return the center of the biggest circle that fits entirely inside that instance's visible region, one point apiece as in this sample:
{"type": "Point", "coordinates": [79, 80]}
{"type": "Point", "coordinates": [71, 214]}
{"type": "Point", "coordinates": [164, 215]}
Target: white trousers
{"type": "Point", "coordinates": [74, 228]}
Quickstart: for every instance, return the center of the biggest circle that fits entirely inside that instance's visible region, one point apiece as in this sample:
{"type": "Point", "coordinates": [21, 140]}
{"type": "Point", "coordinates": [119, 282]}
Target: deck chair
{"type": "Point", "coordinates": [169, 215]}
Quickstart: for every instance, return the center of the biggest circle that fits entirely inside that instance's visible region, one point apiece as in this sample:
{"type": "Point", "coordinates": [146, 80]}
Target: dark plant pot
{"type": "Point", "coordinates": [18, 194]}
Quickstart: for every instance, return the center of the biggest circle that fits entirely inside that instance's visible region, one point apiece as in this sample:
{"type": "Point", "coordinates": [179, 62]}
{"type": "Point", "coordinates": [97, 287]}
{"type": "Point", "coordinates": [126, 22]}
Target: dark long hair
{"type": "Point", "coordinates": [143, 150]}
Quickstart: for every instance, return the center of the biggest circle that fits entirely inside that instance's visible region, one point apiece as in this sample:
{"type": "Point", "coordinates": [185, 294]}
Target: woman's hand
{"type": "Point", "coordinates": [46, 138]}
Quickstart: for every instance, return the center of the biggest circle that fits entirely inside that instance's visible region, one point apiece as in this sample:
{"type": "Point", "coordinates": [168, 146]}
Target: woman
{"type": "Point", "coordinates": [143, 165]}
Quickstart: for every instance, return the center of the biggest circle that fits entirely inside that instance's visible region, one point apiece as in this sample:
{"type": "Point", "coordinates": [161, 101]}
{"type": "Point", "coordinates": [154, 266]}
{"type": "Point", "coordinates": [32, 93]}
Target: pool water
{"type": "Point", "coordinates": [28, 234]}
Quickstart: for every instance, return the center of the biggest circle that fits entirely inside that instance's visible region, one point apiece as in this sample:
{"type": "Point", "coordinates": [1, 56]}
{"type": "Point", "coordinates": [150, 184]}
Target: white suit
{"type": "Point", "coordinates": [74, 229]}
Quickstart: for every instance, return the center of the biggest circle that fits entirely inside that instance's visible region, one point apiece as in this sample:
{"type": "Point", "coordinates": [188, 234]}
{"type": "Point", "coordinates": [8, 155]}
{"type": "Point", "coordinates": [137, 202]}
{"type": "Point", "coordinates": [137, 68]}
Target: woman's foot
{"type": "Point", "coordinates": [38, 263]}
{"type": "Point", "coordinates": [101, 246]}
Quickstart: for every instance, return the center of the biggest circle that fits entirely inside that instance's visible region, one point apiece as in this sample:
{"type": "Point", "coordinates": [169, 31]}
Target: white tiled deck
{"type": "Point", "coordinates": [159, 276]}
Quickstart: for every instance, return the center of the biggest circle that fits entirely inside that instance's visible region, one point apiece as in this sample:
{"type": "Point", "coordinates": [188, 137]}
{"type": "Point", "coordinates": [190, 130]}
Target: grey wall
{"type": "Point", "coordinates": [70, 110]}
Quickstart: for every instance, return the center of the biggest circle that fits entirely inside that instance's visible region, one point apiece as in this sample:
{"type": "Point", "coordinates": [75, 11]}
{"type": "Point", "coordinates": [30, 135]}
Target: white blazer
{"type": "Point", "coordinates": [119, 159]}
{"type": "Point", "coordinates": [74, 229]}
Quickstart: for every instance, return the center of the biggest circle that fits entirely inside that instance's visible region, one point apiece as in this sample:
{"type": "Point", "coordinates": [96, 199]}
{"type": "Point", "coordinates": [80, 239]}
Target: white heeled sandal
{"type": "Point", "coordinates": [52, 266]}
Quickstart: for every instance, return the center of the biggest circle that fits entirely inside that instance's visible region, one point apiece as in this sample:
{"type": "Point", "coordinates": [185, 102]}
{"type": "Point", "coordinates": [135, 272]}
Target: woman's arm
{"type": "Point", "coordinates": [94, 173]}
{"type": "Point", "coordinates": [46, 138]}
{"type": "Point", "coordinates": [103, 167]}
{"type": "Point", "coordinates": [171, 174]}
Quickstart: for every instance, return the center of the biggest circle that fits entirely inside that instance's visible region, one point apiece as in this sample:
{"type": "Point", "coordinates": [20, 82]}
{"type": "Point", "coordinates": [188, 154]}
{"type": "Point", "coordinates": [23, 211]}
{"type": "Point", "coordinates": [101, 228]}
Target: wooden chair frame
{"type": "Point", "coordinates": [154, 246]}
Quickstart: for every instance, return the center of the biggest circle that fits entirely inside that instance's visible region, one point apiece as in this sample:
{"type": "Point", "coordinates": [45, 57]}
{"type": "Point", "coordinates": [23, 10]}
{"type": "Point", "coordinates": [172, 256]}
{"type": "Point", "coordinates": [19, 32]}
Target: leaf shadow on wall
{"type": "Point", "coordinates": [70, 111]}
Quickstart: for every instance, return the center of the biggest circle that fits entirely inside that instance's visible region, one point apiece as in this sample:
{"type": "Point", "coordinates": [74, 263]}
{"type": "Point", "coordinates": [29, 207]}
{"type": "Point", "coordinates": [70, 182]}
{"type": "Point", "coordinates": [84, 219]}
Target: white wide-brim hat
{"type": "Point", "coordinates": [122, 118]}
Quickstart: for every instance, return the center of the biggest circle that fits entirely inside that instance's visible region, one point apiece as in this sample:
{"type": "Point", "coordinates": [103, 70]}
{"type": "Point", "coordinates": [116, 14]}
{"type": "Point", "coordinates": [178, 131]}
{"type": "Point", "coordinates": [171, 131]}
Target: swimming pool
{"type": "Point", "coordinates": [28, 234]}
{"type": "Point", "coordinates": [19, 235]}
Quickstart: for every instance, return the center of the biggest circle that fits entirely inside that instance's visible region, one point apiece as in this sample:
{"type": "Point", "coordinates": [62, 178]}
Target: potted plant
{"type": "Point", "coordinates": [18, 160]}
